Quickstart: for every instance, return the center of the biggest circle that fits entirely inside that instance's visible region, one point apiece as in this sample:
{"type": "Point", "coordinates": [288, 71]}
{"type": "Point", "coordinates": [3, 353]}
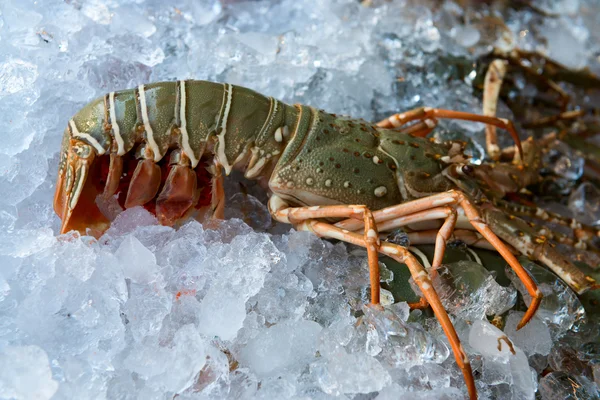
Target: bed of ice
{"type": "Point", "coordinates": [149, 312]}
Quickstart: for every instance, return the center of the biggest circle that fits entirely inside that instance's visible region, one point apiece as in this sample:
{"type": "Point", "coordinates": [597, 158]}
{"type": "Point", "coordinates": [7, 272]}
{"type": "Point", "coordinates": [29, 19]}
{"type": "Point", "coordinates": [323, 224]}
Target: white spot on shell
{"type": "Point", "coordinates": [328, 183]}
{"type": "Point", "coordinates": [309, 181]}
{"type": "Point", "coordinates": [290, 184]}
{"type": "Point", "coordinates": [380, 191]}
{"type": "Point", "coordinates": [278, 135]}
{"type": "Point", "coordinates": [371, 233]}
{"type": "Point", "coordinates": [375, 160]}
{"type": "Point", "coordinates": [347, 184]}
{"type": "Point", "coordinates": [425, 286]}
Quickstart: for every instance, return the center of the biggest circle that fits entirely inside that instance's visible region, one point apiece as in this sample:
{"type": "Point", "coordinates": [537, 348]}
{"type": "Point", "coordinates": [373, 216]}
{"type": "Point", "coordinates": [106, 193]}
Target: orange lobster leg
{"type": "Point", "coordinates": [370, 240]}
{"type": "Point", "coordinates": [491, 90]}
{"type": "Point", "coordinates": [428, 113]}
{"type": "Point", "coordinates": [305, 218]}
{"type": "Point", "coordinates": [456, 199]}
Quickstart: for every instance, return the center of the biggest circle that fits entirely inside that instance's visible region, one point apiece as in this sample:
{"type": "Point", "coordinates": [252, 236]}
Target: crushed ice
{"type": "Point", "coordinates": [233, 312]}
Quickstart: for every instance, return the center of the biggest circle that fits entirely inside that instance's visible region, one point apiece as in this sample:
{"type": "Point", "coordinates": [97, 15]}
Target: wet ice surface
{"type": "Point", "coordinates": [151, 312]}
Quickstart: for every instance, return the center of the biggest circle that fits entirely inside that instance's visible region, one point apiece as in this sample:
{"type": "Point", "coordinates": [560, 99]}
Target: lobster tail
{"type": "Point", "coordinates": [76, 190]}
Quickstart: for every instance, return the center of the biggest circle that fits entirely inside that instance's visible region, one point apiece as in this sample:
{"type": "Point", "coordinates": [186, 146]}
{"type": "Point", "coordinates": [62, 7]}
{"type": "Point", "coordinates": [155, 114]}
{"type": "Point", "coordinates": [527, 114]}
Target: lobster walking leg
{"type": "Point", "coordinates": [303, 215]}
{"type": "Point", "coordinates": [456, 198]}
{"type": "Point", "coordinates": [516, 58]}
{"type": "Point", "coordinates": [443, 234]}
{"type": "Point", "coordinates": [468, 237]}
{"type": "Point", "coordinates": [306, 218]}
{"type": "Point", "coordinates": [491, 90]}
{"type": "Point", "coordinates": [422, 280]}
{"type": "Point", "coordinates": [428, 113]}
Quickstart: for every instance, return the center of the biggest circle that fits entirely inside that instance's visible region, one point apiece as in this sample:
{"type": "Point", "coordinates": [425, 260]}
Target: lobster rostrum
{"type": "Point", "coordinates": [151, 146]}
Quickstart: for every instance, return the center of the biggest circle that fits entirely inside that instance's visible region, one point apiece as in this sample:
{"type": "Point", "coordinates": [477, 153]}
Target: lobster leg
{"type": "Point", "coordinates": [428, 113]}
{"type": "Point", "coordinates": [421, 128]}
{"type": "Point", "coordinates": [468, 237]}
{"type": "Point", "coordinates": [281, 212]}
{"type": "Point", "coordinates": [520, 235]}
{"type": "Point", "coordinates": [516, 58]}
{"type": "Point", "coordinates": [455, 199]}
{"type": "Point", "coordinates": [115, 171]}
{"type": "Point", "coordinates": [449, 215]}
{"type": "Point", "coordinates": [306, 218]}
{"type": "Point", "coordinates": [491, 90]}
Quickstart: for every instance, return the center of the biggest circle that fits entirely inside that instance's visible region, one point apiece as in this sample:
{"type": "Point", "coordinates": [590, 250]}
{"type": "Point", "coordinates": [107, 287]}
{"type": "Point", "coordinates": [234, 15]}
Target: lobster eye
{"type": "Point", "coordinates": [467, 170]}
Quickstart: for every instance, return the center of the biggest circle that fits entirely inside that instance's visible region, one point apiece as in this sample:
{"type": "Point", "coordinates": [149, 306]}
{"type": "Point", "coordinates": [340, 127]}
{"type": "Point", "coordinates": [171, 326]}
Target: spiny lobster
{"type": "Point", "coordinates": [152, 145]}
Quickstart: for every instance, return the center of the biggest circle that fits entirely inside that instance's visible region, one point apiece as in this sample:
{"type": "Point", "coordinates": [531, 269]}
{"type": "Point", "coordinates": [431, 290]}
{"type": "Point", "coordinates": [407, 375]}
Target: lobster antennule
{"type": "Point", "coordinates": [76, 192]}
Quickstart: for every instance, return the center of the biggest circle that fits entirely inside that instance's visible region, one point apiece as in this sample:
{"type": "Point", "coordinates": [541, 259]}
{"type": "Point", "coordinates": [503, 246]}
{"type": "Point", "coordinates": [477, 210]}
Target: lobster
{"type": "Point", "coordinates": [338, 177]}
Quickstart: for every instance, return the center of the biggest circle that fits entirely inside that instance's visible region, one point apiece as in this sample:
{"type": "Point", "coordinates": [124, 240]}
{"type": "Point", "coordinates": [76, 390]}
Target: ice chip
{"type": "Point", "coordinates": [139, 263]}
{"type": "Point", "coordinates": [249, 209]}
{"type": "Point", "coordinates": [564, 358]}
{"type": "Point", "coordinates": [502, 360]}
{"type": "Point", "coordinates": [533, 338]}
{"type": "Point", "coordinates": [16, 75]}
{"type": "Point", "coordinates": [563, 161]}
{"type": "Point", "coordinates": [221, 315]}
{"type": "Point", "coordinates": [350, 373]}
{"type": "Point", "coordinates": [469, 291]}
{"type": "Point", "coordinates": [585, 203]}
{"type": "Point", "coordinates": [560, 308]}
{"type": "Point", "coordinates": [401, 343]}
{"type": "Point", "coordinates": [145, 310]}
{"type": "Point", "coordinates": [284, 346]}
{"type": "Point", "coordinates": [25, 374]}
{"type": "Point", "coordinates": [130, 219]}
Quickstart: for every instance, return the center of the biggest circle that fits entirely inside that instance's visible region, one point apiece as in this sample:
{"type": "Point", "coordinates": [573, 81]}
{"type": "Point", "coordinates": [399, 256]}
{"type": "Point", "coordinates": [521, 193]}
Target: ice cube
{"type": "Point", "coordinates": [469, 291]}
{"type": "Point", "coordinates": [563, 161]}
{"type": "Point", "coordinates": [25, 374]}
{"type": "Point", "coordinates": [585, 202]}
{"type": "Point", "coordinates": [285, 346]}
{"type": "Point", "coordinates": [502, 360]}
{"type": "Point", "coordinates": [533, 338]}
{"type": "Point", "coordinates": [350, 373]}
{"type": "Point", "coordinates": [560, 308]}
{"type": "Point", "coordinates": [402, 343]}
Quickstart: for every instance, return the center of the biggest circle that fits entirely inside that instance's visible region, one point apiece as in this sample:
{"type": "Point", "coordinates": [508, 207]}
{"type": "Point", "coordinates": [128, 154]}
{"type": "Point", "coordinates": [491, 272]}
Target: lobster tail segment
{"type": "Point", "coordinates": [76, 192]}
